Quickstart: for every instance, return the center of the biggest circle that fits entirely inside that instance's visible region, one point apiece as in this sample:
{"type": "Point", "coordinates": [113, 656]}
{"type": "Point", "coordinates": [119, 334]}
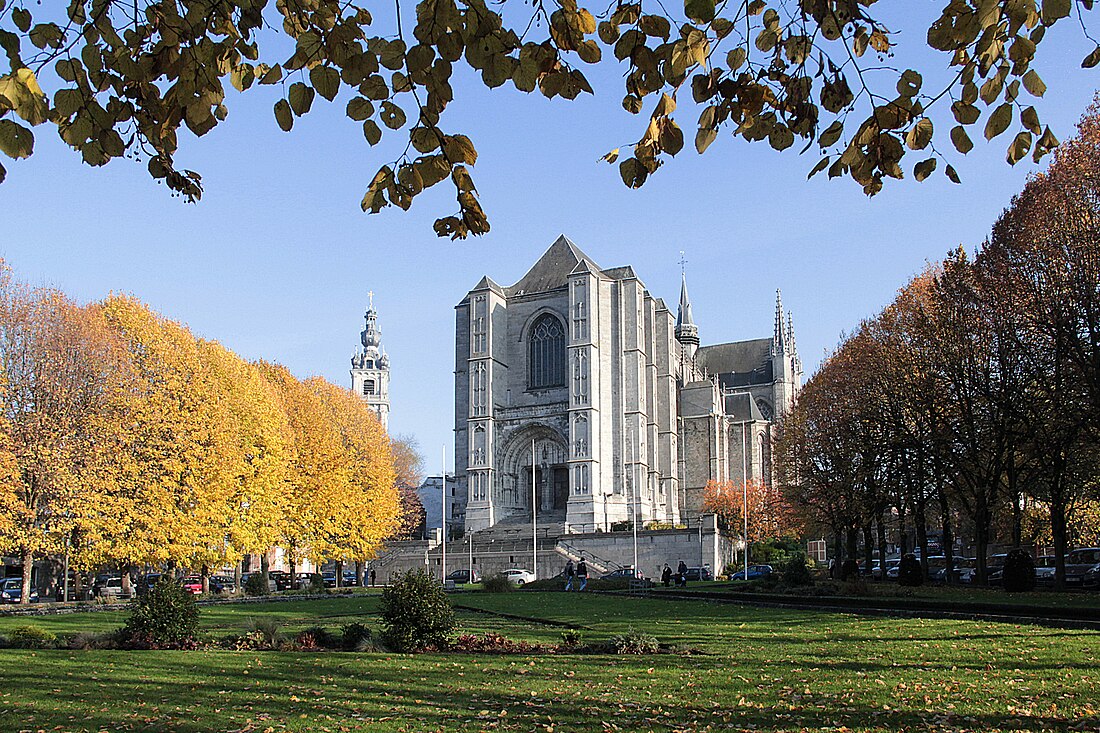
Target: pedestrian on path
{"type": "Point", "coordinates": [582, 573]}
{"type": "Point", "coordinates": [666, 575]}
{"type": "Point", "coordinates": [682, 575]}
{"type": "Point", "coordinates": [373, 576]}
{"type": "Point", "coordinates": [569, 573]}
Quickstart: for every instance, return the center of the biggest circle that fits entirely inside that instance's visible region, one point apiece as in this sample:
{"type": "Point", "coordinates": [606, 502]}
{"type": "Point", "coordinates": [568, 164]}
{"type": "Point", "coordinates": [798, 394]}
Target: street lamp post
{"type": "Point", "coordinates": [443, 543]}
{"type": "Point", "coordinates": [745, 489]}
{"type": "Point", "coordinates": [534, 514]}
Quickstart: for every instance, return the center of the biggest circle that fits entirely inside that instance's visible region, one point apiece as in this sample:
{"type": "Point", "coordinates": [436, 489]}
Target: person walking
{"type": "Point", "coordinates": [682, 575]}
{"type": "Point", "coordinates": [569, 573]}
{"type": "Point", "coordinates": [582, 573]}
{"type": "Point", "coordinates": [666, 575]}
{"type": "Point", "coordinates": [373, 576]}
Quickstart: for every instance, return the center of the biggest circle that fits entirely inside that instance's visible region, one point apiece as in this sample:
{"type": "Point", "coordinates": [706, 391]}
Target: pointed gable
{"type": "Point", "coordinates": [552, 269]}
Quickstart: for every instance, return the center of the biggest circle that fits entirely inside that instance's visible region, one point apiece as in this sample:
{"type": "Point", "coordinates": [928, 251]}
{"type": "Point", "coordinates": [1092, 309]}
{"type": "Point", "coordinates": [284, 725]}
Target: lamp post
{"type": "Point", "coordinates": [443, 543]}
{"type": "Point", "coordinates": [745, 489]}
{"type": "Point", "coordinates": [634, 487]}
{"type": "Point", "coordinates": [534, 513]}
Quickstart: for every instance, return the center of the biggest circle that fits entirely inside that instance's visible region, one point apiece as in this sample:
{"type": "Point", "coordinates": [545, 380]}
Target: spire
{"type": "Point", "coordinates": [779, 341]}
{"type": "Point", "coordinates": [793, 345]}
{"type": "Point", "coordinates": [686, 332]}
{"type": "Point", "coordinates": [371, 335]}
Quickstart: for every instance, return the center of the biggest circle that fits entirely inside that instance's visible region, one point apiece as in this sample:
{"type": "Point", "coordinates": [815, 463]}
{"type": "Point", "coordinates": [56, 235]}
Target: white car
{"type": "Point", "coordinates": [519, 576]}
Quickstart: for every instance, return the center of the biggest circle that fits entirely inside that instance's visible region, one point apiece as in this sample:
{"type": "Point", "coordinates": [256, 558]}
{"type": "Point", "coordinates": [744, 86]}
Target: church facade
{"type": "Point", "coordinates": [583, 397]}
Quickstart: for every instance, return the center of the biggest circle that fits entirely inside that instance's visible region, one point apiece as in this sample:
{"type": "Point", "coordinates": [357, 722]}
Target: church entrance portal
{"type": "Point", "coordinates": [550, 473]}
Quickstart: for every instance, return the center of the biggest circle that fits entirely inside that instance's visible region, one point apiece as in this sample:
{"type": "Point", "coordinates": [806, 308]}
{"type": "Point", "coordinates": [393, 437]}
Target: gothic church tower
{"type": "Point", "coordinates": [370, 368]}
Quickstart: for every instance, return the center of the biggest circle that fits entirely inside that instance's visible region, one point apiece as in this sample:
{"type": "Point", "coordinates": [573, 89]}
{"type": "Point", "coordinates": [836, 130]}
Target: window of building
{"type": "Point", "coordinates": [368, 386]}
{"type": "Point", "coordinates": [546, 354]}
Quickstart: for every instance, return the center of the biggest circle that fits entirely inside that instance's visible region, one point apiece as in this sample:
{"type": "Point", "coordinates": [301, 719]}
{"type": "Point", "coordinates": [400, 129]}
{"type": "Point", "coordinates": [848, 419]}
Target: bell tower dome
{"type": "Point", "coordinates": [370, 368]}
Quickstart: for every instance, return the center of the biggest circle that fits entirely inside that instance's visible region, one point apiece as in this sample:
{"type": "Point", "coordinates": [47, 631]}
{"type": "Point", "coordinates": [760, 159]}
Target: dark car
{"type": "Point", "coordinates": [350, 579]}
{"type": "Point", "coordinates": [1044, 570]}
{"type": "Point", "coordinates": [305, 581]}
{"type": "Point", "coordinates": [329, 579]}
{"type": "Point", "coordinates": [11, 591]}
{"type": "Point", "coordinates": [280, 578]}
{"type": "Point", "coordinates": [755, 571]}
{"type": "Point", "coordinates": [702, 573]}
{"type": "Point", "coordinates": [146, 582]}
{"type": "Point", "coordinates": [463, 576]}
{"type": "Point", "coordinates": [1083, 567]}
{"type": "Point", "coordinates": [627, 572]}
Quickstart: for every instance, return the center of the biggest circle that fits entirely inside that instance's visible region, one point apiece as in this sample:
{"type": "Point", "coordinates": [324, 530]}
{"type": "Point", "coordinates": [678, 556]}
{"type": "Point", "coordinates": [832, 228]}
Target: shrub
{"type": "Point", "coordinates": [416, 612]}
{"type": "Point", "coordinates": [497, 583]}
{"type": "Point", "coordinates": [909, 571]}
{"type": "Point", "coordinates": [849, 569]}
{"type": "Point", "coordinates": [31, 637]}
{"type": "Point", "coordinates": [316, 583]}
{"type": "Point", "coordinates": [356, 637]}
{"type": "Point", "coordinates": [634, 642]}
{"type": "Point", "coordinates": [85, 641]}
{"type": "Point", "coordinates": [317, 637]}
{"type": "Point", "coordinates": [267, 631]}
{"type": "Point", "coordinates": [1019, 571]}
{"type": "Point", "coordinates": [795, 573]}
{"type": "Point", "coordinates": [492, 643]}
{"type": "Point", "coordinates": [255, 585]}
{"type": "Point", "coordinates": [165, 617]}
{"type": "Point", "coordinates": [570, 638]}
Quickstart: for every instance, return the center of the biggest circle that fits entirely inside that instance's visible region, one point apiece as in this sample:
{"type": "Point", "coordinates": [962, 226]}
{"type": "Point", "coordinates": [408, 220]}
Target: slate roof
{"type": "Point", "coordinates": [742, 407]}
{"type": "Point", "coordinates": [740, 363]}
{"type": "Point", "coordinates": [552, 269]}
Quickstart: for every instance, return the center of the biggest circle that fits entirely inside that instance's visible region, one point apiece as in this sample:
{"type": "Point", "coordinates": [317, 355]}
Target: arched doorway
{"type": "Point", "coordinates": [549, 471]}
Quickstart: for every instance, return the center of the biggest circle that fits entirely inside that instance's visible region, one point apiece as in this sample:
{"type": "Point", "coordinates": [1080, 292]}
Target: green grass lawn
{"type": "Point", "coordinates": [765, 669]}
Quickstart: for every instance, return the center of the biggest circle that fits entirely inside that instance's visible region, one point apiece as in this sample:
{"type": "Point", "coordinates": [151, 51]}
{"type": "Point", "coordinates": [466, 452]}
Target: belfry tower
{"type": "Point", "coordinates": [370, 368]}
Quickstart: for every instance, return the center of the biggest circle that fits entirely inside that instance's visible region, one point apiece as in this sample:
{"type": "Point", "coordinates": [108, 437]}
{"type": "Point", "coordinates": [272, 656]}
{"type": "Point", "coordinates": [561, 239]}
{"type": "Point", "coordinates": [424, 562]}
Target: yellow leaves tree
{"type": "Point", "coordinates": [57, 385]}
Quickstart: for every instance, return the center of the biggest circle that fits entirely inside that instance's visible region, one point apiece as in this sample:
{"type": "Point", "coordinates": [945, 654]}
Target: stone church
{"type": "Point", "coordinates": [580, 394]}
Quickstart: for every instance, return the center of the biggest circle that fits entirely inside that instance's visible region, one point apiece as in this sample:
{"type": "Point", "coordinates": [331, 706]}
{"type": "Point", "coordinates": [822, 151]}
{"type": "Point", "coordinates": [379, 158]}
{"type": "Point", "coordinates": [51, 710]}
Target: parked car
{"type": "Point", "coordinates": [968, 568]}
{"type": "Point", "coordinates": [192, 584]}
{"type": "Point", "coordinates": [305, 581]}
{"type": "Point", "coordinates": [755, 572]}
{"type": "Point", "coordinates": [1044, 570]}
{"type": "Point", "coordinates": [329, 579]}
{"type": "Point", "coordinates": [146, 582]}
{"type": "Point", "coordinates": [11, 591]}
{"type": "Point", "coordinates": [280, 578]}
{"type": "Point", "coordinates": [271, 586]}
{"type": "Point", "coordinates": [702, 573]}
{"type": "Point", "coordinates": [108, 586]}
{"type": "Point", "coordinates": [996, 569]}
{"type": "Point", "coordinates": [519, 576]}
{"type": "Point", "coordinates": [1083, 567]}
{"type": "Point", "coordinates": [893, 568]}
{"type": "Point", "coordinates": [224, 583]}
{"type": "Point", "coordinates": [626, 572]}
{"type": "Point", "coordinates": [937, 569]}
{"type": "Point", "coordinates": [350, 579]}
{"type": "Point", "coordinates": [460, 577]}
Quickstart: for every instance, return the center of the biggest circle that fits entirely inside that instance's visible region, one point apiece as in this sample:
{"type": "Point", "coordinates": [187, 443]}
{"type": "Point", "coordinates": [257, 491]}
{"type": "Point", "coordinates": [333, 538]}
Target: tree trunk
{"type": "Point", "coordinates": [981, 540]}
{"type": "Point", "coordinates": [28, 571]}
{"type": "Point", "coordinates": [922, 537]}
{"type": "Point", "coordinates": [948, 538]}
{"type": "Point", "coordinates": [339, 573]}
{"type": "Point", "coordinates": [205, 573]}
{"type": "Point", "coordinates": [903, 537]}
{"type": "Point", "coordinates": [1059, 532]}
{"type": "Point", "coordinates": [868, 548]}
{"type": "Point", "coordinates": [360, 573]}
{"type": "Point", "coordinates": [881, 526]}
{"type": "Point", "coordinates": [238, 571]}
{"type": "Point", "coordinates": [265, 570]}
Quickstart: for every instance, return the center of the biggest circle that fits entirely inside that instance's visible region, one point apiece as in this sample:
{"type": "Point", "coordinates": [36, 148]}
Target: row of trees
{"type": "Point", "coordinates": [125, 440]}
{"type": "Point", "coordinates": [972, 402]}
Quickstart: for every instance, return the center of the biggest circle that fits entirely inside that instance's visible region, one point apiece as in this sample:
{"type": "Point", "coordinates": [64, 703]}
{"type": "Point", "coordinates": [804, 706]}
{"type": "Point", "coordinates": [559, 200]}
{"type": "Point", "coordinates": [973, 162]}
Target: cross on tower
{"type": "Point", "coordinates": [370, 294]}
{"type": "Point", "coordinates": [683, 262]}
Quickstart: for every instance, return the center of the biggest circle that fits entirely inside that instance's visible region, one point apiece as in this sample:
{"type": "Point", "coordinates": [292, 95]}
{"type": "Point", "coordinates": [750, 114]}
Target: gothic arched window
{"type": "Point", "coordinates": [546, 354]}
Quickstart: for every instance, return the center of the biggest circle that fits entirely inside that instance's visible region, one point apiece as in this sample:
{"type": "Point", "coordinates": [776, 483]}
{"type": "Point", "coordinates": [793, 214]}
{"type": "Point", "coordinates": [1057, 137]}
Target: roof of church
{"type": "Point", "coordinates": [625, 272]}
{"type": "Point", "coordinates": [742, 407]}
{"type": "Point", "coordinates": [552, 269]}
{"type": "Point", "coordinates": [750, 360]}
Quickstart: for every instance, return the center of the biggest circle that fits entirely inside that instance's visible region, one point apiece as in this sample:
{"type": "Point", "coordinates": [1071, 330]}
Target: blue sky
{"type": "Point", "coordinates": [277, 259]}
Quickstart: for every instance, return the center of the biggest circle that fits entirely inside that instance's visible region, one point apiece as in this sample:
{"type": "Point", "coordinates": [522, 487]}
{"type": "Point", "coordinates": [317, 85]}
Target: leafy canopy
{"type": "Point", "coordinates": [124, 77]}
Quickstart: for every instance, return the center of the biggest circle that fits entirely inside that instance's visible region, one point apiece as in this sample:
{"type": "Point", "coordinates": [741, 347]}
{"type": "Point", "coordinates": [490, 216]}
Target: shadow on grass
{"type": "Point", "coordinates": [224, 691]}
